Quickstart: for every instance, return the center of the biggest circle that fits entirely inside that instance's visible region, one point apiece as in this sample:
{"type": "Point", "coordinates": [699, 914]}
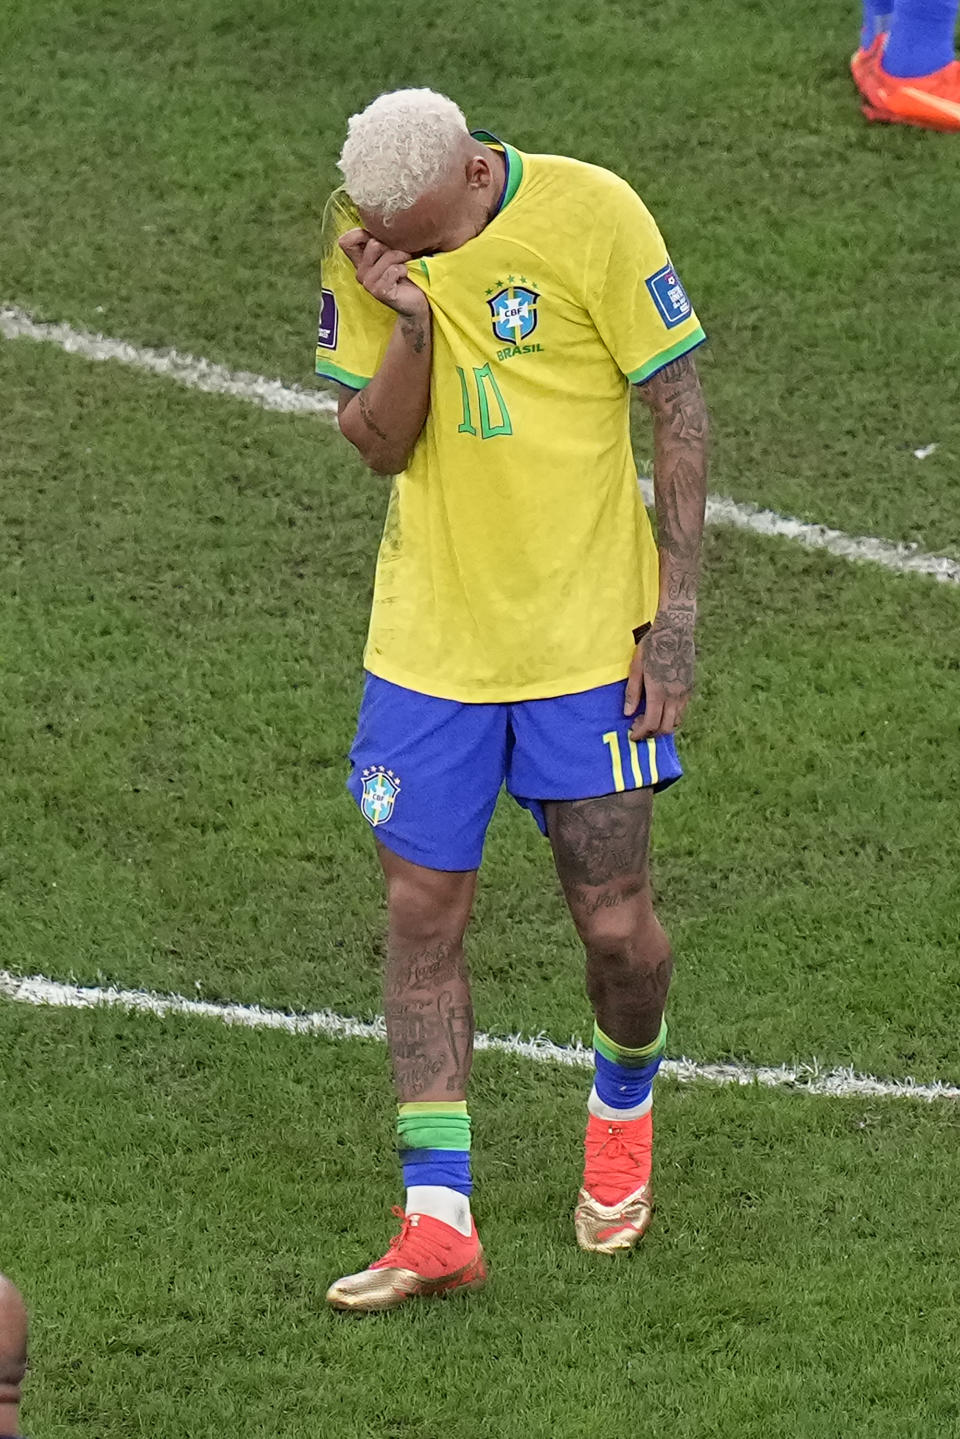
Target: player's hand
{"type": "Point", "coordinates": [383, 273]}
{"type": "Point", "coordinates": [662, 672]}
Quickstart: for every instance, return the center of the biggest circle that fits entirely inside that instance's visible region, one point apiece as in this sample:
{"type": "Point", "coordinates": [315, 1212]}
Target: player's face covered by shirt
{"type": "Point", "coordinates": [452, 212]}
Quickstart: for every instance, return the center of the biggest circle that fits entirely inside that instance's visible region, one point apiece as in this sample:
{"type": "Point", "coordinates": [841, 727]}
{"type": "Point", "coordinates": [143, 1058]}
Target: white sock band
{"type": "Point", "coordinates": [595, 1105]}
{"type": "Point", "coordinates": [448, 1205]}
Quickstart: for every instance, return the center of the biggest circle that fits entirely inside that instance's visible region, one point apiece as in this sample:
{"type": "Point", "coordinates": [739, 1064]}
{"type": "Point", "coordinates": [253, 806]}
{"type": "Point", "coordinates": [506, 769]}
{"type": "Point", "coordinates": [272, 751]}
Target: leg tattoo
{"type": "Point", "coordinates": [429, 1020]}
{"type": "Point", "coordinates": [601, 851]}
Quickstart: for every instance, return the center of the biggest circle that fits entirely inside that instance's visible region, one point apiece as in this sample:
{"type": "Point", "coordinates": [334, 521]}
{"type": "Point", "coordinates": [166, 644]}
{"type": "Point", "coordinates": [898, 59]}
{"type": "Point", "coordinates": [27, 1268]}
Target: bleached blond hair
{"type": "Point", "coordinates": [399, 147]}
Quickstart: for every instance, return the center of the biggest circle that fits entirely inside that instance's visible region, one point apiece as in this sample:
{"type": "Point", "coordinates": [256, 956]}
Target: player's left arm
{"type": "Point", "coordinates": [664, 662]}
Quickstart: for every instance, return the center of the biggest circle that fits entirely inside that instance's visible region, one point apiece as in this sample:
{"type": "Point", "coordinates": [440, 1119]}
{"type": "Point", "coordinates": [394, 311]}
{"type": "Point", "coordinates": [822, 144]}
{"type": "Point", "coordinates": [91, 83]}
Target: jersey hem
{"type": "Point", "coordinates": [665, 357]}
{"type": "Point", "coordinates": [328, 371]}
{"type": "Point", "coordinates": [544, 690]}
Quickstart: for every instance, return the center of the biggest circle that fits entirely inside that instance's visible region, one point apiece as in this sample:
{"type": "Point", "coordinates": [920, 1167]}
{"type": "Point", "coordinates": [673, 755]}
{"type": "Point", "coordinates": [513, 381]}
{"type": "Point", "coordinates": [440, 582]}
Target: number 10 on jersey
{"type": "Point", "coordinates": [491, 407]}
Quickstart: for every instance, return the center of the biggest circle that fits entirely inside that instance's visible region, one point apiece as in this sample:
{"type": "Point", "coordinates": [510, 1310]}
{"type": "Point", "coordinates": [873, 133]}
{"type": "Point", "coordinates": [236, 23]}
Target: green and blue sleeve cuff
{"type": "Point", "coordinates": [666, 357]}
{"type": "Point", "coordinates": [327, 370]}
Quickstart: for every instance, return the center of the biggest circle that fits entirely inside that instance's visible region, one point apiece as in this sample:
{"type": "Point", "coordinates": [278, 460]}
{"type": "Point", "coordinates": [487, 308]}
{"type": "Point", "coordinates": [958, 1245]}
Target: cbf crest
{"type": "Point", "coordinates": [380, 789]}
{"type": "Point", "coordinates": [514, 311]}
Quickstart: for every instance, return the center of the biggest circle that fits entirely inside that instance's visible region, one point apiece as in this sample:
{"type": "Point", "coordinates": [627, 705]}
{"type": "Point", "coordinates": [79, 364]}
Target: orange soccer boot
{"type": "Point", "coordinates": [426, 1258]}
{"type": "Point", "coordinates": [615, 1205]}
{"type": "Point", "coordinates": [864, 61]}
{"type": "Point", "coordinates": [931, 102]}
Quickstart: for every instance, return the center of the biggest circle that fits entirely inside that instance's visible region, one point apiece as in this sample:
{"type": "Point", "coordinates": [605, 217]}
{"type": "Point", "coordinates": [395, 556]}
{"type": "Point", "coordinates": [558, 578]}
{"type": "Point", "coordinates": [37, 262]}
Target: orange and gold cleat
{"type": "Point", "coordinates": [931, 102]}
{"type": "Point", "coordinates": [615, 1205]}
{"type": "Point", "coordinates": [426, 1258]}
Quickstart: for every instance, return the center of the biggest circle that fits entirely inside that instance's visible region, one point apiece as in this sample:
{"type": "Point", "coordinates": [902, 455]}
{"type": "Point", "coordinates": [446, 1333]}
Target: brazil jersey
{"type": "Point", "coordinates": [517, 557]}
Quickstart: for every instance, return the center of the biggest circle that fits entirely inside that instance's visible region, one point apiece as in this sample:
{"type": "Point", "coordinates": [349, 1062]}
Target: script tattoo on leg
{"type": "Point", "coordinates": [429, 1019]}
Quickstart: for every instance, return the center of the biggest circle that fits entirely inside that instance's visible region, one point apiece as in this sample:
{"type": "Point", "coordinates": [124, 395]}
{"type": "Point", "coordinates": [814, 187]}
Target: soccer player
{"type": "Point", "coordinates": [485, 313]}
{"type": "Point", "coordinates": [13, 1356]}
{"type": "Point", "coordinates": [905, 68]}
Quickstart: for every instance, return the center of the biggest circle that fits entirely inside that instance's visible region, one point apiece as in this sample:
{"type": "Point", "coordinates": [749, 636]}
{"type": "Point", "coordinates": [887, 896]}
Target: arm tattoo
{"type": "Point", "coordinates": [680, 481]}
{"type": "Point", "coordinates": [368, 420]}
{"type": "Point", "coordinates": [413, 332]}
{"type": "Point", "coordinates": [668, 651]}
{"type": "Point", "coordinates": [679, 496]}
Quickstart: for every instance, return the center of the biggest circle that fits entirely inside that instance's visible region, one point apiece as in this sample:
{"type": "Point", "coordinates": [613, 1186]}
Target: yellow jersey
{"type": "Point", "coordinates": [517, 557]}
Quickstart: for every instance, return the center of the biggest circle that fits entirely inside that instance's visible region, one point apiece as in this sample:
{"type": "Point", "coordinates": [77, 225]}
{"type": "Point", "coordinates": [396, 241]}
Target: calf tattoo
{"type": "Point", "coordinates": [429, 1019]}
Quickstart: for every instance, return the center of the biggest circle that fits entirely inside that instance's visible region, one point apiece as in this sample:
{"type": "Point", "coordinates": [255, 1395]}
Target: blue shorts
{"type": "Point", "coordinates": [426, 772]}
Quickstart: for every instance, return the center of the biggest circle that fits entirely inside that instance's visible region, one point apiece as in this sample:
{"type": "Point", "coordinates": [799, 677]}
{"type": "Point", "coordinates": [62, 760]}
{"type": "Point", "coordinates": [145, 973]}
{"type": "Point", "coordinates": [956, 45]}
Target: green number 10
{"type": "Point", "coordinates": [487, 390]}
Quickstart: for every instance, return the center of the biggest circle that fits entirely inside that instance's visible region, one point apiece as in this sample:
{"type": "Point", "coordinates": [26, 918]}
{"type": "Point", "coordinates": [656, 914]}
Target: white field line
{"type": "Point", "coordinates": [809, 1079]}
{"type": "Point", "coordinates": [906, 559]}
{"type": "Point", "coordinates": [200, 374]}
{"type": "Point", "coordinates": [196, 374]}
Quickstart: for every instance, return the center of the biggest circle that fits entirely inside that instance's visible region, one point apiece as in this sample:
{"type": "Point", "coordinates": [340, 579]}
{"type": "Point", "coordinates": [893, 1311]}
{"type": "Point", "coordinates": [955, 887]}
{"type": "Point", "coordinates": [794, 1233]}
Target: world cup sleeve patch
{"type": "Point", "coordinates": [329, 321]}
{"type": "Point", "coordinates": [670, 297]}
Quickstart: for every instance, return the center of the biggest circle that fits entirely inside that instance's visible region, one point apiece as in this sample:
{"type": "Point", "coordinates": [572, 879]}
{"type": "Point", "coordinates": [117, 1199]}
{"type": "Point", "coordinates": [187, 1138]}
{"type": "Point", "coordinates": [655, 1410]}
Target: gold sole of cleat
{"type": "Point", "coordinates": [375, 1290]}
{"type": "Point", "coordinates": [612, 1228]}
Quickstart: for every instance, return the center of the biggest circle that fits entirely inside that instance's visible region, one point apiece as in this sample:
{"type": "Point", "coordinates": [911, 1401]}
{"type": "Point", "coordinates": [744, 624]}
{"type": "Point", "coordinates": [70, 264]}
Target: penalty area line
{"type": "Point", "coordinates": [38, 990]}
{"type": "Point", "coordinates": [204, 375]}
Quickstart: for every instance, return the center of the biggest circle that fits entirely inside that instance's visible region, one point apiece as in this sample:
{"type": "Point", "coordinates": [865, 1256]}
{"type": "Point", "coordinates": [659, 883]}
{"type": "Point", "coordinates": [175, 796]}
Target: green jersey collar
{"type": "Point", "coordinates": [514, 164]}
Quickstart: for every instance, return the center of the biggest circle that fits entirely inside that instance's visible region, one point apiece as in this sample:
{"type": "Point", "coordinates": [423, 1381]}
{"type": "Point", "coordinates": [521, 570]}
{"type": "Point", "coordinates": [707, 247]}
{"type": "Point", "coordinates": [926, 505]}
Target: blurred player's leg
{"type": "Point", "coordinates": [13, 1355]}
{"type": "Point", "coordinates": [909, 76]}
{"type": "Point", "coordinates": [877, 15]}
{"type": "Point", "coordinates": [601, 850]}
{"type": "Point", "coordinates": [921, 37]}
{"type": "Point", "coordinates": [429, 1018]}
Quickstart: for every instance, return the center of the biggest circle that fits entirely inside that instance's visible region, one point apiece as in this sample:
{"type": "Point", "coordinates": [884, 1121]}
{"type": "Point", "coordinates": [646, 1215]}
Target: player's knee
{"type": "Point", "coordinates": [426, 910]}
{"type": "Point", "coordinates": [625, 937]}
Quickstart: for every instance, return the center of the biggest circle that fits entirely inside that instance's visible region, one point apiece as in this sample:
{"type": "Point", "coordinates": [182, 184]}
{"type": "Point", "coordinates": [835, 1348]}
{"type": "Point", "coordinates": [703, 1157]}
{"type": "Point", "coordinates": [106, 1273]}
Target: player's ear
{"type": "Point", "coordinates": [479, 172]}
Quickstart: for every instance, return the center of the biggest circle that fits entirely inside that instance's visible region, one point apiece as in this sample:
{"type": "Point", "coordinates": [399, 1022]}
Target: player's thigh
{"type": "Point", "coordinates": [590, 787]}
{"type": "Point", "coordinates": [601, 849]}
{"type": "Point", "coordinates": [425, 773]}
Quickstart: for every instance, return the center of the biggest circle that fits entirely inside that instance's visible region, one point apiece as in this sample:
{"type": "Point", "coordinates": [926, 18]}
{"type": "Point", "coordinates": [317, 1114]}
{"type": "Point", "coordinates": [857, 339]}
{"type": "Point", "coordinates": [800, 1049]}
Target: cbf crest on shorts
{"type": "Point", "coordinates": [380, 789]}
{"type": "Point", "coordinates": [514, 311]}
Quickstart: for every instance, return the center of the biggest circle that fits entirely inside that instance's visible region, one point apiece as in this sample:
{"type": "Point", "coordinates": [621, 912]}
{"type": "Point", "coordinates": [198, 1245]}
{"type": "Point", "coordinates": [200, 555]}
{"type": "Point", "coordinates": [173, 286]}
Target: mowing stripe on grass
{"type": "Point", "coordinates": [200, 374]}
{"type": "Point", "coordinates": [37, 989]}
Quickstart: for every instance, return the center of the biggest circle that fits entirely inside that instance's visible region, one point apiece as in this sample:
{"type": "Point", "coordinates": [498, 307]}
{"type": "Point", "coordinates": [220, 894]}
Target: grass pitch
{"type": "Point", "coordinates": [183, 592]}
{"type": "Point", "coordinates": [799, 1279]}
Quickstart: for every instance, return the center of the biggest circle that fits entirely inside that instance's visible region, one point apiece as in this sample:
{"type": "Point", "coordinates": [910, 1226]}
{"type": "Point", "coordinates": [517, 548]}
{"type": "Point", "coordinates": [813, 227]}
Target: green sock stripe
{"type": "Point", "coordinates": [433, 1106]}
{"type": "Point", "coordinates": [434, 1131]}
{"type": "Point", "coordinates": [620, 1054]}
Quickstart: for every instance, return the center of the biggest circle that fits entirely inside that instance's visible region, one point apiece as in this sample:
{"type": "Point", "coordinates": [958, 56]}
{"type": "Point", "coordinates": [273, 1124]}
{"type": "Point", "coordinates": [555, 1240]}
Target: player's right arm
{"type": "Point", "coordinates": [384, 419]}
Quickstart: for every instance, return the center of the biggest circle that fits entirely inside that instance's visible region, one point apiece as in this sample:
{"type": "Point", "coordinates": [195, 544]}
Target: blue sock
{"type": "Point", "coordinates": [921, 37]}
{"type": "Point", "coordinates": [877, 15]}
{"type": "Point", "coordinates": [623, 1078]}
